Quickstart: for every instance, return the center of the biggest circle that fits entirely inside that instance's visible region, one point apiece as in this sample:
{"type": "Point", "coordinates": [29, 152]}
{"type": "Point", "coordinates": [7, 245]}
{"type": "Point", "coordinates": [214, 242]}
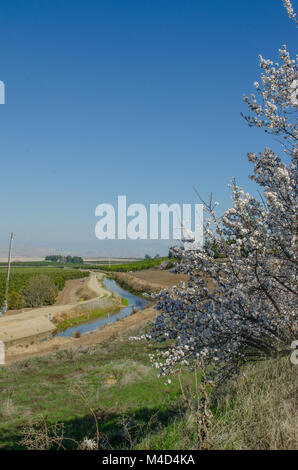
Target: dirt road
{"type": "Point", "coordinates": [77, 289]}
{"type": "Point", "coordinates": [37, 322]}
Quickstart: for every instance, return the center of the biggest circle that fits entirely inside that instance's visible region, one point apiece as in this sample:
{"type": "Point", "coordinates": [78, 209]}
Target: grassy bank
{"type": "Point", "coordinates": [78, 318]}
{"type": "Point", "coordinates": [125, 285]}
{"type": "Point", "coordinates": [75, 318]}
{"type": "Point", "coordinates": [134, 409]}
{"type": "Point", "coordinates": [87, 316]}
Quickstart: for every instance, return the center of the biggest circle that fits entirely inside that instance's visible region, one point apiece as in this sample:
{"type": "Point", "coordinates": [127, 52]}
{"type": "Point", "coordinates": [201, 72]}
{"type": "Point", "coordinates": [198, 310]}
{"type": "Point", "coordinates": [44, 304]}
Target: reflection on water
{"type": "Point", "coordinates": [138, 303]}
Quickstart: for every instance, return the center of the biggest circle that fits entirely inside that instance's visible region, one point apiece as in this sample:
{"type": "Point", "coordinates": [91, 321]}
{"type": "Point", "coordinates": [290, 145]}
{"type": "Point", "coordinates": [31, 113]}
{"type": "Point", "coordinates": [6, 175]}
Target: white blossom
{"type": "Point", "coordinates": [250, 310]}
{"type": "Point", "coordinates": [294, 93]}
{"type": "Point", "coordinates": [290, 9]}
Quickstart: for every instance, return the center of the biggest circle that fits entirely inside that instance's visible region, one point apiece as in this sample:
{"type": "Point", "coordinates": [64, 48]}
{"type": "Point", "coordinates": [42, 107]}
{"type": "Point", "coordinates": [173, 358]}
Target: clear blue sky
{"type": "Point", "coordinates": [133, 97]}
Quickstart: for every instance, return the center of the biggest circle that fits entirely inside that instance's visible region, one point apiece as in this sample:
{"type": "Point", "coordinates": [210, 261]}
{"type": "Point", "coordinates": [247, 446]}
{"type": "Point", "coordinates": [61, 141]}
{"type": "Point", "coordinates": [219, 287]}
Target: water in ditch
{"type": "Point", "coordinates": [135, 302]}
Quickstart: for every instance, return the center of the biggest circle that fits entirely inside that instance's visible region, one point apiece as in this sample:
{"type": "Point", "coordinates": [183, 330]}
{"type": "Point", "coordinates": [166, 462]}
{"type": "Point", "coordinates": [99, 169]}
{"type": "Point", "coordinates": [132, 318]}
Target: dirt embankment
{"type": "Point", "coordinates": [88, 295]}
{"type": "Point", "coordinates": [74, 291]}
{"type": "Point", "coordinates": [106, 333]}
{"type": "Point", "coordinates": [150, 281]}
{"type": "Point", "coordinates": [34, 324]}
{"type": "Point", "coordinates": [77, 290]}
{"type": "Point", "coordinates": [145, 281]}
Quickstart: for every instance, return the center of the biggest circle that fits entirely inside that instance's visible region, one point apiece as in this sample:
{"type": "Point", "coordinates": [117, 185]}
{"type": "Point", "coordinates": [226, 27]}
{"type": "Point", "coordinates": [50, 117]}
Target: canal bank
{"type": "Point", "coordinates": [129, 325]}
{"type": "Point", "coordinates": [137, 314]}
{"type": "Point", "coordinates": [98, 317]}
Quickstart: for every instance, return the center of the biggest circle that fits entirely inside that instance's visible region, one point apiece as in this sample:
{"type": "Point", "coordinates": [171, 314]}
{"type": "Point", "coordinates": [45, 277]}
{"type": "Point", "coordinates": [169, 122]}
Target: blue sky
{"type": "Point", "coordinates": [112, 97]}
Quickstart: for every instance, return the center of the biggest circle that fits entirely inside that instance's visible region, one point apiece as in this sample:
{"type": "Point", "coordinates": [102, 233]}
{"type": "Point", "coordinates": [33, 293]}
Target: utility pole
{"type": "Point", "coordinates": [4, 309]}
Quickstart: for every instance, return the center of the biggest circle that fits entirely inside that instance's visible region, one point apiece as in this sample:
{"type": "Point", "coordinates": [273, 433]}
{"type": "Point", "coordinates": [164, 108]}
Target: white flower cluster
{"type": "Point", "coordinates": [288, 5]}
{"type": "Point", "coordinates": [139, 338]}
{"type": "Point", "coordinates": [88, 444]}
{"type": "Point", "coordinates": [278, 97]}
{"type": "Point", "coordinates": [241, 297]}
{"type": "Point", "coordinates": [294, 93]}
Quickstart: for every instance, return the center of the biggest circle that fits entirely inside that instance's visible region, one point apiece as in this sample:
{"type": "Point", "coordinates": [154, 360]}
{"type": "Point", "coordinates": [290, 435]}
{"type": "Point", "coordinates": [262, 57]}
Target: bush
{"type": "Point", "coordinates": [16, 301]}
{"type": "Point", "coordinates": [40, 291]}
{"type": "Point", "coordinates": [20, 278]}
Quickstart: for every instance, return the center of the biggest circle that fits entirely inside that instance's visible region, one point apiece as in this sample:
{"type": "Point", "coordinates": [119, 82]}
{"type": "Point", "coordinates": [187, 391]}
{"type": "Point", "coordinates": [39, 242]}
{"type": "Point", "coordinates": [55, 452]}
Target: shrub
{"type": "Point", "coordinates": [40, 291]}
{"type": "Point", "coordinates": [16, 301]}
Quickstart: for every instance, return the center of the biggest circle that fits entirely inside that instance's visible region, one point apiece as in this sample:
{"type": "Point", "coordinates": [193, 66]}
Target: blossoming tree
{"type": "Point", "coordinates": [241, 305]}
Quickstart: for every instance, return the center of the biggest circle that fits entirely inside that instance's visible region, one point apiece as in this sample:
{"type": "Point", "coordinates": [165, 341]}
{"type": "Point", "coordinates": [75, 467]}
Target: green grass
{"type": "Point", "coordinates": [135, 409]}
{"type": "Point", "coordinates": [86, 317]}
{"type": "Point", "coordinates": [124, 301]}
{"type": "Point", "coordinates": [118, 380]}
{"type": "Point", "coordinates": [137, 265]}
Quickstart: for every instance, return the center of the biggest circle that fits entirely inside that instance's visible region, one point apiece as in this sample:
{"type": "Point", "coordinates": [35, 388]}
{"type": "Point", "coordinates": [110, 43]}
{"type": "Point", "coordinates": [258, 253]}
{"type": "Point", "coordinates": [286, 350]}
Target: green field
{"type": "Point", "coordinates": [138, 265]}
{"type": "Point", "coordinates": [117, 381]}
{"type": "Point", "coordinates": [57, 264]}
{"type": "Point", "coordinates": [115, 387]}
{"type": "Point", "coordinates": [125, 265]}
{"type": "Point", "coordinates": [20, 277]}
{"type": "Point", "coordinates": [39, 264]}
